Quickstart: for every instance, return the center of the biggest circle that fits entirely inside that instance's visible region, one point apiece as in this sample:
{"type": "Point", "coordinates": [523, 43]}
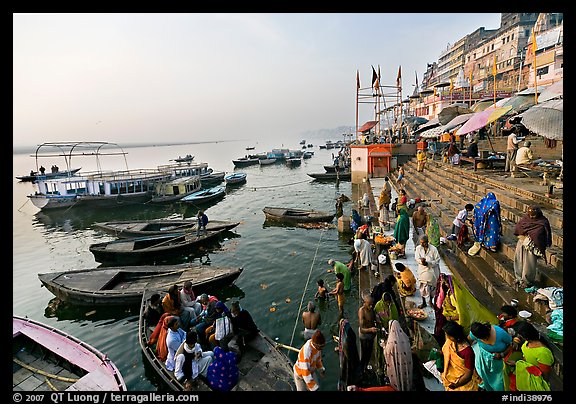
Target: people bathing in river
{"type": "Point", "coordinates": [311, 320]}
{"type": "Point", "coordinates": [338, 292]}
{"type": "Point", "coordinates": [366, 329]}
{"type": "Point", "coordinates": [339, 267]}
{"type": "Point", "coordinates": [322, 292]}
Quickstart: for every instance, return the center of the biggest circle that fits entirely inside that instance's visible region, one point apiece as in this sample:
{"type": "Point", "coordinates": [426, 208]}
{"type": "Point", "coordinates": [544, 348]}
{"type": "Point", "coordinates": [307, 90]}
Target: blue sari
{"type": "Point", "coordinates": [487, 223]}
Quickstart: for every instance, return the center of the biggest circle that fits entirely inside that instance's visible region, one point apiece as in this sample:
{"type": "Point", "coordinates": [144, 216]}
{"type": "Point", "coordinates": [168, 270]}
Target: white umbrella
{"type": "Point", "coordinates": [546, 119]}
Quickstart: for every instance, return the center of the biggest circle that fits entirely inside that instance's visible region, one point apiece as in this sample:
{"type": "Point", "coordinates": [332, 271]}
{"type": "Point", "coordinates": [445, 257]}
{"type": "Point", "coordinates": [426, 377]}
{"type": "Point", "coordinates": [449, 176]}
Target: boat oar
{"type": "Point", "coordinates": [279, 345]}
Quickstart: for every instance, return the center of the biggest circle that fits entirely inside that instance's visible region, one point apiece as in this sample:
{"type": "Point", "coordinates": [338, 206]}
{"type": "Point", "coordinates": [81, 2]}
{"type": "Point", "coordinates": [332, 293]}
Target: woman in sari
{"type": "Point", "coordinates": [534, 235]}
{"type": "Point", "coordinates": [406, 280]}
{"type": "Point", "coordinates": [458, 373]}
{"type": "Point", "coordinates": [350, 370]}
{"type": "Point", "coordinates": [487, 222]}
{"type": "Point", "coordinates": [490, 343]}
{"type": "Point", "coordinates": [532, 371]}
{"type": "Point", "coordinates": [356, 220]}
{"type": "Point", "coordinates": [398, 355]}
{"type": "Point", "coordinates": [402, 230]}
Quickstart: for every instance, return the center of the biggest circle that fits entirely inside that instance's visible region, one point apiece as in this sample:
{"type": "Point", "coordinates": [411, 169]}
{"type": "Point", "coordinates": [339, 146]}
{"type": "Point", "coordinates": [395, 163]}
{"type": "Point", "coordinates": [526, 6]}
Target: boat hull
{"type": "Point", "coordinates": [117, 286]}
{"type": "Point", "coordinates": [61, 355]}
{"type": "Point", "coordinates": [288, 215]}
{"type": "Point", "coordinates": [150, 249]}
{"type": "Point", "coordinates": [141, 228]}
{"type": "Point", "coordinates": [343, 176]}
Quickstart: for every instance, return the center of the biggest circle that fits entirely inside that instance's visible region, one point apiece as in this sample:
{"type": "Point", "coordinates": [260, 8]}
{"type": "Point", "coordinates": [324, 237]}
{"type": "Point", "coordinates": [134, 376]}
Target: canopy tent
{"type": "Point", "coordinates": [451, 111]}
{"type": "Point", "coordinates": [546, 119]}
{"type": "Point", "coordinates": [458, 120]}
{"type": "Point", "coordinates": [481, 119]}
{"type": "Point", "coordinates": [428, 125]}
{"type": "Point", "coordinates": [367, 126]}
{"type": "Point", "coordinates": [432, 132]}
{"type": "Point", "coordinates": [519, 103]}
{"type": "Point", "coordinates": [556, 90]}
{"type": "Point", "coordinates": [481, 105]}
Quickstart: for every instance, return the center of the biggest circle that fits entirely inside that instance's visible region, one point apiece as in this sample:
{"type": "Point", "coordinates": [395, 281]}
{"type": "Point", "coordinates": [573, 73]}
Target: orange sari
{"type": "Point", "coordinates": [454, 369]}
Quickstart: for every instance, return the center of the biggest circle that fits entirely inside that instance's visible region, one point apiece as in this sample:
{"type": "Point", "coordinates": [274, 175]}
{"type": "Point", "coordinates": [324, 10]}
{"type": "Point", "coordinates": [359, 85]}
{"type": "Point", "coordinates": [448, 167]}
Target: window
{"type": "Point", "coordinates": [512, 36]}
{"type": "Point", "coordinates": [492, 46]}
{"type": "Point", "coordinates": [542, 70]}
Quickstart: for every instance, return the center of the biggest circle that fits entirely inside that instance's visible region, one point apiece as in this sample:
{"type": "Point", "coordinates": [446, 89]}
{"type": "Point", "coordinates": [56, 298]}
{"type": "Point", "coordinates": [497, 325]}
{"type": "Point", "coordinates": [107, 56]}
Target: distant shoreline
{"type": "Point", "coordinates": [32, 149]}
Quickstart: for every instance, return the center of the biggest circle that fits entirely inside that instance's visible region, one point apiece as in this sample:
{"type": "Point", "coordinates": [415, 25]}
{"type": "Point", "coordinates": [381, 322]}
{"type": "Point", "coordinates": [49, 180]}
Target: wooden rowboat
{"type": "Point", "coordinates": [264, 367]}
{"type": "Point", "coordinates": [343, 176]}
{"type": "Point", "coordinates": [124, 285]}
{"type": "Point", "coordinates": [296, 215]}
{"type": "Point", "coordinates": [150, 249]}
{"type": "Point", "coordinates": [140, 228]}
{"type": "Point", "coordinates": [45, 358]}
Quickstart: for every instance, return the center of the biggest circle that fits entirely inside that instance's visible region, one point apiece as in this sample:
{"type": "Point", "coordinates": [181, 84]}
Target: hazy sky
{"type": "Point", "coordinates": [128, 78]}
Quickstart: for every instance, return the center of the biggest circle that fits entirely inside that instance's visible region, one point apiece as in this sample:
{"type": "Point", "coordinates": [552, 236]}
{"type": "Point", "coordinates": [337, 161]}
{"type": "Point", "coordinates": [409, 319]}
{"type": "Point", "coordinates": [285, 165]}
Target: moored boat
{"type": "Point", "coordinates": [235, 178]}
{"type": "Point", "coordinates": [140, 228]}
{"type": "Point", "coordinates": [204, 195]}
{"type": "Point", "coordinates": [293, 161]}
{"type": "Point", "coordinates": [266, 161]}
{"type": "Point", "coordinates": [115, 286]}
{"type": "Point", "coordinates": [184, 159]}
{"type": "Point", "coordinates": [264, 367]}
{"type": "Point", "coordinates": [35, 175]}
{"type": "Point", "coordinates": [245, 161]}
{"type": "Point", "coordinates": [343, 175]}
{"type": "Point", "coordinates": [150, 249]}
{"type": "Point", "coordinates": [46, 358]}
{"type": "Point", "coordinates": [291, 215]}
{"type": "Point", "coordinates": [175, 189]}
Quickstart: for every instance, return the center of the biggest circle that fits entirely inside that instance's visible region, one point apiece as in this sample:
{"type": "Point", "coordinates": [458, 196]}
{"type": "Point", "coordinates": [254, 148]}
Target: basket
{"type": "Point", "coordinates": [417, 314]}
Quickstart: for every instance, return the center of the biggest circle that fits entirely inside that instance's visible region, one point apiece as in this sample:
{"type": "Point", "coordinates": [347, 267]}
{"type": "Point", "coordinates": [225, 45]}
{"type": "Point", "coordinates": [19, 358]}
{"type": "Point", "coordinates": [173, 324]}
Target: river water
{"type": "Point", "coordinates": [281, 264]}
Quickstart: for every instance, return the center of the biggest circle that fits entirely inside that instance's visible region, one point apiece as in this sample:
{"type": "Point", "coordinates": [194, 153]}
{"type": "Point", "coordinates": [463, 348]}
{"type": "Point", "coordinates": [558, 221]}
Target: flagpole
{"type": "Point", "coordinates": [399, 83]}
{"type": "Point", "coordinates": [494, 74]}
{"type": "Point", "coordinates": [357, 90]}
{"type": "Point", "coordinates": [535, 75]}
{"type": "Point", "coordinates": [470, 84]}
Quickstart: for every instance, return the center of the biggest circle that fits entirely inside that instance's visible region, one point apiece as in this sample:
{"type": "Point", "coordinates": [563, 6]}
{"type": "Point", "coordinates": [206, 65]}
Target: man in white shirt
{"type": "Point", "coordinates": [428, 260]}
{"type": "Point", "coordinates": [460, 221]}
{"type": "Point", "coordinates": [524, 157]}
{"type": "Point", "coordinates": [511, 149]}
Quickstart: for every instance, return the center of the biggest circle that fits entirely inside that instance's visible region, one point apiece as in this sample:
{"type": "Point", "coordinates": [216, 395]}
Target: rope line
{"type": "Point", "coordinates": [281, 185]}
{"type": "Point", "coordinates": [306, 287]}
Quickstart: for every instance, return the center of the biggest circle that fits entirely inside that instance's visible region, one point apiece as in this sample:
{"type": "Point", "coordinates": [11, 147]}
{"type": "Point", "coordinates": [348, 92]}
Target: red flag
{"type": "Point", "coordinates": [399, 78]}
{"type": "Point", "coordinates": [374, 78]}
{"type": "Point", "coordinates": [357, 80]}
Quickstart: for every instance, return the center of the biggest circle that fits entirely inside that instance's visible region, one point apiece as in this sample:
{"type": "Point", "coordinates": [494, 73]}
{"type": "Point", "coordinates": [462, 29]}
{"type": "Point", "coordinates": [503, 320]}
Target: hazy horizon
{"type": "Point", "coordinates": [157, 78]}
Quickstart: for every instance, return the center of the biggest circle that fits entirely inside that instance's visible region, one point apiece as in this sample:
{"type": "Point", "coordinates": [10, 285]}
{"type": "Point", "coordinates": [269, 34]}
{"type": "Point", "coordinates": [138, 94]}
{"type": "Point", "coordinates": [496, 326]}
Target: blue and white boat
{"type": "Point", "coordinates": [205, 195]}
{"type": "Point", "coordinates": [235, 178]}
{"type": "Point", "coordinates": [94, 189]}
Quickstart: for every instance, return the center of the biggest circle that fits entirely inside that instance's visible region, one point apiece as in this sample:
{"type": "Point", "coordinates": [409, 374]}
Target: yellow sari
{"type": "Point", "coordinates": [454, 369]}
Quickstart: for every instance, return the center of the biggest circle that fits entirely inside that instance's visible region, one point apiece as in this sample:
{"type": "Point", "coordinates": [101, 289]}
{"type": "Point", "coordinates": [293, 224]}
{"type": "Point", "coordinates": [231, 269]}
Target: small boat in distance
{"type": "Point", "coordinates": [235, 178]}
{"type": "Point", "coordinates": [205, 195]}
{"type": "Point", "coordinates": [250, 147]}
{"type": "Point", "coordinates": [140, 228]}
{"type": "Point", "coordinates": [50, 359]}
{"type": "Point", "coordinates": [264, 367]}
{"type": "Point", "coordinates": [35, 176]}
{"type": "Point", "coordinates": [245, 161]}
{"type": "Point", "coordinates": [186, 158]}
{"type": "Point", "coordinates": [293, 161]}
{"type": "Point", "coordinates": [117, 286]}
{"type": "Point", "coordinates": [291, 215]}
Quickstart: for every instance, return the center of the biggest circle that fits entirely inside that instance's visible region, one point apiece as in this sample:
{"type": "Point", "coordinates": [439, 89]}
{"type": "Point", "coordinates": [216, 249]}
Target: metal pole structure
{"type": "Point", "coordinates": [357, 90]}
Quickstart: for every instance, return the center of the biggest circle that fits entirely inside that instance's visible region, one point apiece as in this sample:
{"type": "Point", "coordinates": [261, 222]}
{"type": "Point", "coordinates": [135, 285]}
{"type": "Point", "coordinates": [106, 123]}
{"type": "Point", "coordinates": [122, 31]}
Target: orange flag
{"type": "Point", "coordinates": [494, 66]}
{"type": "Point", "coordinates": [451, 85]}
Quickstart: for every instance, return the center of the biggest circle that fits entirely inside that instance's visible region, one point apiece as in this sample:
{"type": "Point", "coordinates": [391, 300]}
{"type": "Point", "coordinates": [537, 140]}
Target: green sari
{"type": "Point", "coordinates": [529, 377]}
{"type": "Point", "coordinates": [402, 228]}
